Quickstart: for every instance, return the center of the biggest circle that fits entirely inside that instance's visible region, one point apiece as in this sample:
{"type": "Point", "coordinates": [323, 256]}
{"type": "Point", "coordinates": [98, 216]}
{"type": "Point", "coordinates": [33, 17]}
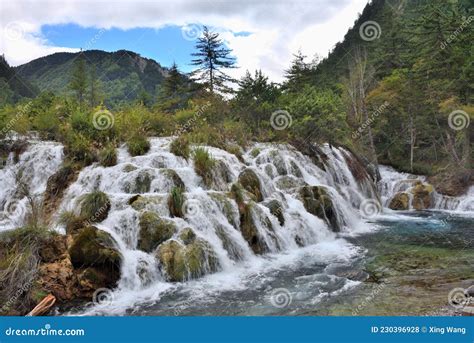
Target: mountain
{"type": "Point", "coordinates": [12, 86]}
{"type": "Point", "coordinates": [123, 75]}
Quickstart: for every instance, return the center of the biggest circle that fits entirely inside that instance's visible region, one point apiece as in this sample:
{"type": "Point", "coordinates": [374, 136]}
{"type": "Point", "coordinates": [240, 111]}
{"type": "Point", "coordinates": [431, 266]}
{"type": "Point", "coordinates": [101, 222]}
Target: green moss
{"type": "Point", "coordinates": [95, 206]}
{"type": "Point", "coordinates": [94, 248]}
{"type": "Point", "coordinates": [153, 231]}
{"type": "Point", "coordinates": [277, 210]}
{"type": "Point", "coordinates": [174, 177]}
{"type": "Point", "coordinates": [250, 182]}
{"type": "Point", "coordinates": [180, 147]}
{"type": "Point", "coordinates": [71, 222]}
{"type": "Point", "coordinates": [187, 236]}
{"type": "Point", "coordinates": [255, 152]}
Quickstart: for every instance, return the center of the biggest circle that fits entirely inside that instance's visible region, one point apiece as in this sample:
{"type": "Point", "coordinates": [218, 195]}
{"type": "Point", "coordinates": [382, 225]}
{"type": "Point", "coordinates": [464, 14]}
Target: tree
{"type": "Point", "coordinates": [173, 83]}
{"type": "Point", "coordinates": [299, 73]}
{"type": "Point", "coordinates": [79, 78]}
{"type": "Point", "coordinates": [255, 97]}
{"type": "Point", "coordinates": [212, 57]}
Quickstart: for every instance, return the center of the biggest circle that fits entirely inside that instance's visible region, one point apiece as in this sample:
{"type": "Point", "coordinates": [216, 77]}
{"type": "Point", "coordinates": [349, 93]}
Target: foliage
{"type": "Point", "coordinates": [108, 156]}
{"type": "Point", "coordinates": [138, 145]}
{"type": "Point", "coordinates": [203, 164]}
{"type": "Point", "coordinates": [95, 206]}
{"type": "Point", "coordinates": [180, 147]}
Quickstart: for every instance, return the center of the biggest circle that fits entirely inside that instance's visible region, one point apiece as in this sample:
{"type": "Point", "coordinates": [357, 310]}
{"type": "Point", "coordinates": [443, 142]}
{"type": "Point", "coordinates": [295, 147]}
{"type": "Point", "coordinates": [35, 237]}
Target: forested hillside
{"type": "Point", "coordinates": [121, 76]}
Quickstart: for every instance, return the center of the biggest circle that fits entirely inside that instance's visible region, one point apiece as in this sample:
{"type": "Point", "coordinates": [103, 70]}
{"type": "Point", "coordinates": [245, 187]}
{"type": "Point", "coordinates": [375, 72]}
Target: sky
{"type": "Point", "coordinates": [263, 34]}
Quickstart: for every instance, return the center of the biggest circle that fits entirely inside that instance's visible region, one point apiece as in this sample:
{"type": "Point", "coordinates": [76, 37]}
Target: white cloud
{"type": "Point", "coordinates": [277, 28]}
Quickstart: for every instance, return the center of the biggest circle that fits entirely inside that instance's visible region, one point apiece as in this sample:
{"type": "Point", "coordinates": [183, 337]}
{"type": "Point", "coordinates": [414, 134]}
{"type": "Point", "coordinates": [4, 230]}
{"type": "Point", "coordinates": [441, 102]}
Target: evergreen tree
{"type": "Point", "coordinates": [78, 81]}
{"type": "Point", "coordinates": [211, 58]}
{"type": "Point", "coordinates": [298, 74]}
{"type": "Point", "coordinates": [95, 94]}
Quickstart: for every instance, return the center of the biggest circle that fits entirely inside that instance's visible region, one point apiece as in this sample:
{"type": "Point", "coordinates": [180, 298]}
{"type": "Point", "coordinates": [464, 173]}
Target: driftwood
{"type": "Point", "coordinates": [43, 307]}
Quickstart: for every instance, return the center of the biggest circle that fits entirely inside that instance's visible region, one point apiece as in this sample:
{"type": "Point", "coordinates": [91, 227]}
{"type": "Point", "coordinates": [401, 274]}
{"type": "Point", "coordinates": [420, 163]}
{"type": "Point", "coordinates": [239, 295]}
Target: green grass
{"type": "Point", "coordinates": [180, 147]}
{"type": "Point", "coordinates": [138, 145]}
{"type": "Point", "coordinates": [203, 164]}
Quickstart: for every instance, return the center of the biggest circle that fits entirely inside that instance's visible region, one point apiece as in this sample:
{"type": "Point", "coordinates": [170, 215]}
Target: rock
{"type": "Point", "coordinates": [221, 175]}
{"type": "Point", "coordinates": [153, 231]}
{"type": "Point", "coordinates": [227, 207]}
{"type": "Point", "coordinates": [250, 182]}
{"type": "Point", "coordinates": [183, 262]}
{"type": "Point", "coordinates": [421, 195]}
{"type": "Point", "coordinates": [129, 168]}
{"type": "Point", "coordinates": [317, 201]}
{"type": "Point", "coordinates": [400, 202]}
{"type": "Point", "coordinates": [95, 207]}
{"type": "Point", "coordinates": [53, 249]}
{"type": "Point", "coordinates": [58, 278]}
{"type": "Point", "coordinates": [187, 236]}
{"type": "Point", "coordinates": [288, 182]}
{"type": "Point", "coordinates": [453, 183]}
{"type": "Point", "coordinates": [174, 178]}
{"type": "Point", "coordinates": [96, 248]}
{"type": "Point", "coordinates": [139, 203]}
{"type": "Point", "coordinates": [142, 183]}
{"type": "Point", "coordinates": [250, 232]}
{"type": "Point", "coordinates": [277, 210]}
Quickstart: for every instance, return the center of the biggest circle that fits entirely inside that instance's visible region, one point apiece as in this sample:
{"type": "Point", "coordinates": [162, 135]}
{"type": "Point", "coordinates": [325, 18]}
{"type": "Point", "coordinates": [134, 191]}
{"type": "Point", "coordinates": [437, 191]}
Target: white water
{"type": "Point", "coordinates": [280, 168]}
{"type": "Point", "coordinates": [393, 182]}
{"type": "Point", "coordinates": [26, 179]}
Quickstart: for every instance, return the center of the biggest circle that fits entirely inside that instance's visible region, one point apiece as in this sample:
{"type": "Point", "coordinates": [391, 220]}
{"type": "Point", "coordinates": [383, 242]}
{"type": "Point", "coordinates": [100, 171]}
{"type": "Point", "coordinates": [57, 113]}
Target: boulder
{"type": "Point", "coordinates": [317, 201]}
{"type": "Point", "coordinates": [95, 248]}
{"type": "Point", "coordinates": [187, 236]}
{"type": "Point", "coordinates": [174, 178]}
{"type": "Point", "coordinates": [288, 182]}
{"type": "Point", "coordinates": [421, 195]}
{"type": "Point", "coordinates": [400, 202]}
{"type": "Point", "coordinates": [250, 182]}
{"type": "Point", "coordinates": [154, 231]}
{"type": "Point", "coordinates": [277, 210]}
{"type": "Point", "coordinates": [181, 262]}
{"type": "Point", "coordinates": [249, 230]}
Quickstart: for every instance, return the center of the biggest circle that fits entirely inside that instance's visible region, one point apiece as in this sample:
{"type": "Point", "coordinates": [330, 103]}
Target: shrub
{"type": "Point", "coordinates": [176, 201]}
{"type": "Point", "coordinates": [180, 147]}
{"type": "Point", "coordinates": [79, 149]}
{"type": "Point", "coordinates": [138, 145]}
{"type": "Point", "coordinates": [71, 221]}
{"type": "Point", "coordinates": [95, 206]}
{"type": "Point", "coordinates": [108, 156]}
{"type": "Point", "coordinates": [203, 164]}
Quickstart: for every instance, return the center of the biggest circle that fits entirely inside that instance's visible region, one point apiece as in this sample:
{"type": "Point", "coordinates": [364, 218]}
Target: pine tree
{"type": "Point", "coordinates": [173, 83]}
{"type": "Point", "coordinates": [298, 74]}
{"type": "Point", "coordinates": [94, 88]}
{"type": "Point", "coordinates": [212, 57]}
{"type": "Point", "coordinates": [79, 78]}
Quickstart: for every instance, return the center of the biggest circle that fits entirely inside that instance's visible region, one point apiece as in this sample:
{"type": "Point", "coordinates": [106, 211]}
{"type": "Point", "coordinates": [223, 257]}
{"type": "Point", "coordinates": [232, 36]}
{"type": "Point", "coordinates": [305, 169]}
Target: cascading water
{"type": "Point", "coordinates": [24, 181]}
{"type": "Point", "coordinates": [393, 182]}
{"type": "Point", "coordinates": [294, 238]}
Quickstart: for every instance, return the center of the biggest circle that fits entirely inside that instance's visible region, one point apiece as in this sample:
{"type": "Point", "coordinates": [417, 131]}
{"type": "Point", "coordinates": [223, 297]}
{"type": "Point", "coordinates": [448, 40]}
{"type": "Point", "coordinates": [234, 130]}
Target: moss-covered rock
{"type": "Point", "coordinates": [288, 182]}
{"type": "Point", "coordinates": [95, 207]}
{"type": "Point", "coordinates": [187, 236]}
{"type": "Point", "coordinates": [317, 201]}
{"type": "Point", "coordinates": [95, 248]}
{"type": "Point", "coordinates": [249, 230]}
{"type": "Point", "coordinates": [250, 182]}
{"type": "Point", "coordinates": [183, 262]}
{"type": "Point", "coordinates": [141, 184]}
{"type": "Point", "coordinates": [153, 231]}
{"type": "Point", "coordinates": [421, 195]}
{"type": "Point", "coordinates": [174, 177]}
{"type": "Point", "coordinates": [277, 210]}
{"type": "Point", "coordinates": [400, 202]}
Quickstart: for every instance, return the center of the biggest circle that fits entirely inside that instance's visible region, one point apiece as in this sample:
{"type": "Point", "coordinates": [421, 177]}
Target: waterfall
{"type": "Point", "coordinates": [24, 180]}
{"type": "Point", "coordinates": [393, 182]}
{"type": "Point", "coordinates": [143, 183]}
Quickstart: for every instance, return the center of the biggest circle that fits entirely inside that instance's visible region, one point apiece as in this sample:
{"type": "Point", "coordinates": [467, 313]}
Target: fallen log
{"type": "Point", "coordinates": [43, 307]}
